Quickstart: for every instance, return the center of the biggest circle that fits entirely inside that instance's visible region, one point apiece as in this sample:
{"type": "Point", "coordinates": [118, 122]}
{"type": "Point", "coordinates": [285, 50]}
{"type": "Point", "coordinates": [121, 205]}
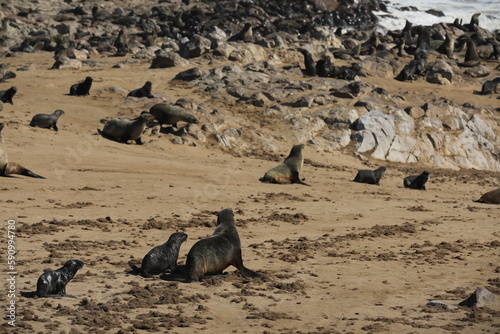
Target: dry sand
{"type": "Point", "coordinates": [338, 257]}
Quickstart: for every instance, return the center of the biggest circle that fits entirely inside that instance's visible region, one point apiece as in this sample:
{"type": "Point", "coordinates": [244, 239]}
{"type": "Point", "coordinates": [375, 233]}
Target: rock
{"type": "Point", "coordinates": [340, 115]}
{"type": "Point", "coordinates": [376, 67]}
{"type": "Point", "coordinates": [479, 127]}
{"type": "Point", "coordinates": [306, 127]}
{"type": "Point", "coordinates": [479, 298]}
{"type": "Point", "coordinates": [401, 148]}
{"type": "Point", "coordinates": [439, 70]}
{"type": "Point", "coordinates": [365, 141]}
{"type": "Point", "coordinates": [381, 126]}
{"type": "Point", "coordinates": [404, 123]}
{"type": "Point", "coordinates": [191, 74]}
{"type": "Point", "coordinates": [480, 71]}
{"type": "Point", "coordinates": [217, 36]}
{"type": "Point", "coordinates": [168, 59]}
{"type": "Point", "coordinates": [440, 304]}
{"type": "Point", "coordinates": [65, 62]}
{"type": "Point", "coordinates": [415, 112]}
{"type": "Point", "coordinates": [340, 136]}
{"type": "Point", "coordinates": [326, 34]}
{"type": "Point", "coordinates": [431, 122]}
{"type": "Point", "coordinates": [196, 47]}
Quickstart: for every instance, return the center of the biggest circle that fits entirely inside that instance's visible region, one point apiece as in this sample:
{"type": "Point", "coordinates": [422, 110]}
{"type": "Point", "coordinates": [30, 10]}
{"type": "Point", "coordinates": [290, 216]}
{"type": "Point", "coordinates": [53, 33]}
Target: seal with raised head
{"type": "Point", "coordinates": [288, 171]}
{"type": "Point", "coordinates": [491, 197]}
{"type": "Point", "coordinates": [47, 121]}
{"type": "Point", "coordinates": [82, 88]}
{"type": "Point", "coordinates": [471, 58]}
{"type": "Point", "coordinates": [416, 181]}
{"type": "Point", "coordinates": [7, 95]}
{"type": "Point", "coordinates": [212, 255]}
{"type": "Point", "coordinates": [310, 66]}
{"type": "Point", "coordinates": [123, 129]}
{"type": "Point", "coordinates": [52, 283]}
{"type": "Point", "coordinates": [171, 114]}
{"type": "Point", "coordinates": [370, 176]}
{"type": "Point", "coordinates": [8, 168]}
{"type": "Point", "coordinates": [161, 258]}
{"type": "Point", "coordinates": [144, 91]}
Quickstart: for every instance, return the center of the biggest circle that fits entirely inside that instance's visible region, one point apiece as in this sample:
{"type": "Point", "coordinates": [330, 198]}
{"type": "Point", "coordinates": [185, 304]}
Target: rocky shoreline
{"type": "Point", "coordinates": [251, 56]}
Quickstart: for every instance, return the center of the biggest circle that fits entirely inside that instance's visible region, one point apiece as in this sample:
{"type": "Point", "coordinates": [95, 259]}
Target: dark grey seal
{"type": "Point", "coordinates": [53, 283]}
{"type": "Point", "coordinates": [82, 88]}
{"type": "Point", "coordinates": [47, 121]}
{"type": "Point", "coordinates": [161, 258]}
{"type": "Point", "coordinates": [370, 176]}
{"type": "Point", "coordinates": [416, 181]}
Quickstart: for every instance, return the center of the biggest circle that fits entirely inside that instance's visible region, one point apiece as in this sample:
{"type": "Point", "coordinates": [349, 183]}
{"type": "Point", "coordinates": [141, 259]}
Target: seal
{"type": "Point", "coordinates": [162, 257]}
{"type": "Point", "coordinates": [8, 168]}
{"type": "Point", "coordinates": [489, 87]}
{"type": "Point", "coordinates": [82, 88]}
{"type": "Point", "coordinates": [47, 121]}
{"type": "Point", "coordinates": [144, 91]}
{"type": "Point", "coordinates": [310, 66]}
{"type": "Point", "coordinates": [491, 197]}
{"type": "Point", "coordinates": [52, 283]}
{"type": "Point", "coordinates": [324, 67]}
{"type": "Point", "coordinates": [245, 34]}
{"type": "Point", "coordinates": [471, 58]}
{"type": "Point", "coordinates": [123, 129]}
{"type": "Point", "coordinates": [370, 176]}
{"type": "Point", "coordinates": [416, 181]}
{"type": "Point", "coordinates": [7, 95]}
{"type": "Point", "coordinates": [212, 255]}
{"type": "Point", "coordinates": [288, 171]}
{"type": "Point", "coordinates": [171, 114]}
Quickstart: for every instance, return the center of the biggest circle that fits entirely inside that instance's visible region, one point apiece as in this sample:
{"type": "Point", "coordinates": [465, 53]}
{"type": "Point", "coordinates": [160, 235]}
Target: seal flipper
{"type": "Point", "coordinates": [14, 168]}
{"type": "Point", "coordinates": [134, 267]}
{"type": "Point", "coordinates": [296, 179]}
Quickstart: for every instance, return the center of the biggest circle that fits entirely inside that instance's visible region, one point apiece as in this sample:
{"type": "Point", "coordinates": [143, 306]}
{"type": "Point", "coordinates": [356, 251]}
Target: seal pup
{"type": "Point", "coordinates": [489, 87]}
{"type": "Point", "coordinates": [123, 129]}
{"type": "Point", "coordinates": [52, 283]}
{"type": "Point", "coordinates": [245, 34]}
{"type": "Point", "coordinates": [370, 176]}
{"type": "Point", "coordinates": [416, 181]}
{"type": "Point", "coordinates": [212, 255]}
{"type": "Point", "coordinates": [7, 95]}
{"type": "Point", "coordinates": [288, 171]}
{"type": "Point", "coordinates": [324, 67]}
{"type": "Point", "coordinates": [162, 257]}
{"type": "Point", "coordinates": [47, 121]}
{"type": "Point", "coordinates": [491, 197]}
{"type": "Point", "coordinates": [82, 88]}
{"type": "Point", "coordinates": [144, 91]}
{"type": "Point", "coordinates": [7, 168]}
{"type": "Point", "coordinates": [171, 114]}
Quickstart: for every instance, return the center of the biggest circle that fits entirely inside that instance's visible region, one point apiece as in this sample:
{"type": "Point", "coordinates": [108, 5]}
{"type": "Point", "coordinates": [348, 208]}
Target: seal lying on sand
{"type": "Point", "coordinates": [162, 257]}
{"type": "Point", "coordinates": [144, 91]}
{"type": "Point", "coordinates": [212, 255]}
{"type": "Point", "coordinates": [7, 168]}
{"type": "Point", "coordinates": [47, 121]}
{"type": "Point", "coordinates": [52, 283]}
{"type": "Point", "coordinates": [370, 176]}
{"type": "Point", "coordinates": [491, 197]}
{"type": "Point", "coordinates": [7, 95]}
{"type": "Point", "coordinates": [123, 129]}
{"type": "Point", "coordinates": [171, 114]}
{"type": "Point", "coordinates": [416, 181]}
{"type": "Point", "coordinates": [289, 171]}
{"type": "Point", "coordinates": [82, 88]}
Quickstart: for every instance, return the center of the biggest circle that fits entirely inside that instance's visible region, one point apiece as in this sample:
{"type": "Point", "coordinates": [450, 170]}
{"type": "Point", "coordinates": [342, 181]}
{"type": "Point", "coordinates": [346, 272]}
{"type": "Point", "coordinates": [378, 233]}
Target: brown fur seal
{"type": "Point", "coordinates": [491, 197]}
{"type": "Point", "coordinates": [82, 88]}
{"type": "Point", "coordinates": [471, 56]}
{"type": "Point", "coordinates": [289, 171]}
{"type": "Point", "coordinates": [171, 114]}
{"type": "Point", "coordinates": [212, 255]}
{"type": "Point", "coordinates": [370, 176]}
{"type": "Point", "coordinates": [416, 181]}
{"type": "Point", "coordinates": [162, 257]}
{"type": "Point", "coordinates": [53, 283]}
{"type": "Point", "coordinates": [47, 121]}
{"type": "Point", "coordinates": [144, 91]}
{"type": "Point", "coordinates": [7, 95]}
{"type": "Point", "coordinates": [123, 129]}
{"type": "Point", "coordinates": [7, 168]}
